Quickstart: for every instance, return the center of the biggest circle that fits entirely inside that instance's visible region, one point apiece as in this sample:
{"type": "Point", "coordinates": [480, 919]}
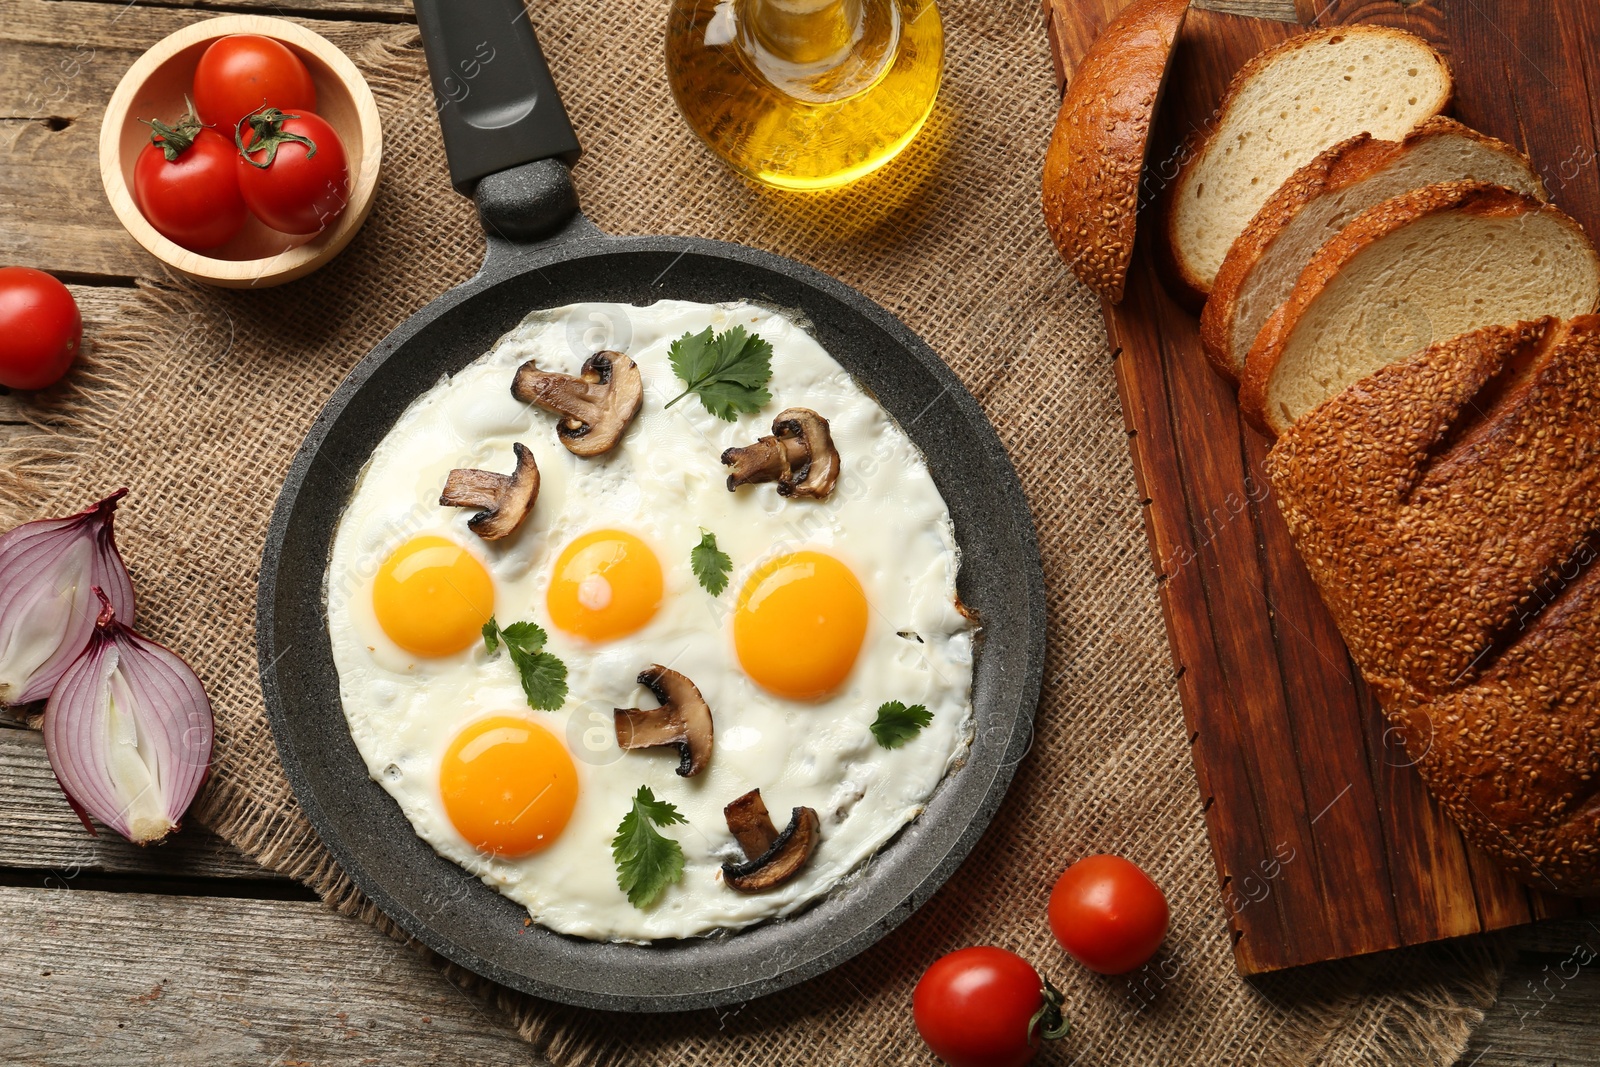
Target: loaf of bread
{"type": "Point", "coordinates": [1425, 266]}
{"type": "Point", "coordinates": [1320, 199]}
{"type": "Point", "coordinates": [1448, 509]}
{"type": "Point", "coordinates": [1096, 157]}
{"type": "Point", "coordinates": [1283, 108]}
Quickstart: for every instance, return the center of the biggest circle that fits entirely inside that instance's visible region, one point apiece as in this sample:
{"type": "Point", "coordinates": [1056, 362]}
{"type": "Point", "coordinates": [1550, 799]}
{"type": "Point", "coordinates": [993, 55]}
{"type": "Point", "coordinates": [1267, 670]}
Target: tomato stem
{"type": "Point", "coordinates": [1048, 1022]}
{"type": "Point", "coordinates": [174, 141]}
{"type": "Point", "coordinates": [267, 125]}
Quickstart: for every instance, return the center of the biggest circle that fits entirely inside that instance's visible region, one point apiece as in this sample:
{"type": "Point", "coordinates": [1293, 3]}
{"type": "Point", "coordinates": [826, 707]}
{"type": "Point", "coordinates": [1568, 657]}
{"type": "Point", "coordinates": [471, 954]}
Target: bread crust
{"type": "Point", "coordinates": [1448, 509]}
{"type": "Point", "coordinates": [1370, 226]}
{"type": "Point", "coordinates": [1187, 286]}
{"type": "Point", "coordinates": [1350, 161]}
{"type": "Point", "coordinates": [1093, 167]}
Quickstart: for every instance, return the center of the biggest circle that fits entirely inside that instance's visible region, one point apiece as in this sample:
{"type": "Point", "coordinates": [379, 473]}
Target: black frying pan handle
{"type": "Point", "coordinates": [497, 103]}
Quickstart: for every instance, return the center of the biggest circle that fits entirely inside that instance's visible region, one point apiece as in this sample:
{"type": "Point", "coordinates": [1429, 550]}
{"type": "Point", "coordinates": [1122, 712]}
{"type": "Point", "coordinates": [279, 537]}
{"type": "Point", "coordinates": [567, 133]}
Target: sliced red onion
{"type": "Point", "coordinates": [128, 731]}
{"type": "Point", "coordinates": [48, 570]}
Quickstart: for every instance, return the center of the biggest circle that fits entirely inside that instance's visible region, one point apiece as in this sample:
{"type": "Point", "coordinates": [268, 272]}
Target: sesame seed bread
{"type": "Point", "coordinates": [1320, 199]}
{"type": "Point", "coordinates": [1283, 108]}
{"type": "Point", "coordinates": [1096, 156]}
{"type": "Point", "coordinates": [1428, 265]}
{"type": "Point", "coordinates": [1448, 509]}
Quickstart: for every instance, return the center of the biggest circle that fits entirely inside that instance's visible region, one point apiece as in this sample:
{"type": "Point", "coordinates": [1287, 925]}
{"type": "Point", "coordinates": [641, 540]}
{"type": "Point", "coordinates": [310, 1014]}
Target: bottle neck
{"type": "Point", "coordinates": [818, 51]}
{"type": "Point", "coordinates": [809, 33]}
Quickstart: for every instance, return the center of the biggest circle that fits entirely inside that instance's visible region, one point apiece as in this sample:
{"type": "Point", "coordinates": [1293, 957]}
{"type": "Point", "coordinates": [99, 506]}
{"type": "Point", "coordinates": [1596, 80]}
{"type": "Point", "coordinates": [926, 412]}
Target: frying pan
{"type": "Point", "coordinates": [510, 145]}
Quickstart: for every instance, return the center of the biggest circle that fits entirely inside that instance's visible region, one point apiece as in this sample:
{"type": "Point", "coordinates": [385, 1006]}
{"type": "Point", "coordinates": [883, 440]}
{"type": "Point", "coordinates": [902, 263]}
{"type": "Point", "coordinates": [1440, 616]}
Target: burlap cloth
{"type": "Point", "coordinates": [198, 403]}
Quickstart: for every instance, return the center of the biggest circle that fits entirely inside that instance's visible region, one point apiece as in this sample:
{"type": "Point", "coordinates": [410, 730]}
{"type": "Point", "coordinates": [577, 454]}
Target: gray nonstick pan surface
{"type": "Point", "coordinates": [510, 147]}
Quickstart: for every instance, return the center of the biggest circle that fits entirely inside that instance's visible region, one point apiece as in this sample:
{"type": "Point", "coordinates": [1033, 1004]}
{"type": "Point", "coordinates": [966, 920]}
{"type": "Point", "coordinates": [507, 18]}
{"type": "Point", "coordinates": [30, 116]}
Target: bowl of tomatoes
{"type": "Point", "coordinates": [242, 151]}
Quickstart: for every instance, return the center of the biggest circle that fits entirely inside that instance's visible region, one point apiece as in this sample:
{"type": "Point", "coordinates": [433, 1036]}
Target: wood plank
{"type": "Point", "coordinates": [1278, 10]}
{"type": "Point", "coordinates": [99, 978]}
{"type": "Point", "coordinates": [1325, 839]}
{"type": "Point", "coordinates": [1548, 1003]}
{"type": "Point", "coordinates": [38, 830]}
{"type": "Point", "coordinates": [103, 307]}
{"type": "Point", "coordinates": [11, 409]}
{"type": "Point", "coordinates": [1339, 794]}
{"type": "Point", "coordinates": [60, 60]}
{"type": "Point", "coordinates": [1235, 604]}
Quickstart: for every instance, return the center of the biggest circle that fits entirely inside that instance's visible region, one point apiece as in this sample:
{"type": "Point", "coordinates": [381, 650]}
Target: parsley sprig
{"type": "Point", "coordinates": [544, 677]}
{"type": "Point", "coordinates": [647, 861]}
{"type": "Point", "coordinates": [711, 565]}
{"type": "Point", "coordinates": [896, 724]}
{"type": "Point", "coordinates": [728, 371]}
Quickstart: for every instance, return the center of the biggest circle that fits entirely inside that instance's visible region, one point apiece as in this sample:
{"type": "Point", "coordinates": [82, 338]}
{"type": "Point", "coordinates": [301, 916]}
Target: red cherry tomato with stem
{"type": "Point", "coordinates": [986, 1007]}
{"type": "Point", "coordinates": [292, 170]}
{"type": "Point", "coordinates": [187, 184]}
{"type": "Point", "coordinates": [244, 73]}
{"type": "Point", "coordinates": [40, 328]}
{"type": "Point", "coordinates": [1108, 914]}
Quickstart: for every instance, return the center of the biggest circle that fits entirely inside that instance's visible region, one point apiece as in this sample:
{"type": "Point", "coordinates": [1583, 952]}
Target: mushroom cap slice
{"type": "Point", "coordinates": [799, 456]}
{"type": "Point", "coordinates": [751, 824]}
{"type": "Point", "coordinates": [773, 858]}
{"type": "Point", "coordinates": [764, 461]}
{"type": "Point", "coordinates": [504, 499]}
{"type": "Point", "coordinates": [683, 719]}
{"type": "Point", "coordinates": [598, 404]}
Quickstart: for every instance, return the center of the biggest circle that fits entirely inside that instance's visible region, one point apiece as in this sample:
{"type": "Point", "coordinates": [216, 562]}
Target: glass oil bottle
{"type": "Point", "coordinates": [805, 94]}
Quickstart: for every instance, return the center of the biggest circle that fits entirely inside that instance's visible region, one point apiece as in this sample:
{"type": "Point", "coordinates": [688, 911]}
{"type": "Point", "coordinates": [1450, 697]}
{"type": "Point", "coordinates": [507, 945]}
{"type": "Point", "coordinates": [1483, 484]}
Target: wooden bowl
{"type": "Point", "coordinates": [154, 87]}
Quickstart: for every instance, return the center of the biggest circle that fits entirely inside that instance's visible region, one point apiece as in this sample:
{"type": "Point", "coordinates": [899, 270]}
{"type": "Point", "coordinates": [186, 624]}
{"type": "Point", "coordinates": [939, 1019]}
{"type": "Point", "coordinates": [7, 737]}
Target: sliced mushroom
{"type": "Point", "coordinates": [598, 404]}
{"type": "Point", "coordinates": [772, 858]}
{"type": "Point", "coordinates": [683, 719]}
{"type": "Point", "coordinates": [799, 456]}
{"type": "Point", "coordinates": [505, 499]}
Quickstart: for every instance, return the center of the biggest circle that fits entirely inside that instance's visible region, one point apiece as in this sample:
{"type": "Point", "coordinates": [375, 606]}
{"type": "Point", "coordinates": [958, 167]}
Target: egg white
{"type": "Point", "coordinates": [664, 483]}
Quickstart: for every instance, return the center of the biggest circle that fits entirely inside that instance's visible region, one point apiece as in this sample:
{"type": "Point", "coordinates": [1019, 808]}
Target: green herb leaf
{"type": "Point", "coordinates": [711, 566]}
{"type": "Point", "coordinates": [527, 637]}
{"type": "Point", "coordinates": [544, 676]}
{"type": "Point", "coordinates": [647, 862]}
{"type": "Point", "coordinates": [728, 371]}
{"type": "Point", "coordinates": [896, 724]}
{"type": "Point", "coordinates": [544, 679]}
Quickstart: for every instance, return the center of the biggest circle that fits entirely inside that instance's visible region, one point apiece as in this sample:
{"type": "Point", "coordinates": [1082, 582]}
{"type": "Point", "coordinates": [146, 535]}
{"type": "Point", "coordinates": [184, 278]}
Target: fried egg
{"type": "Point", "coordinates": [832, 608]}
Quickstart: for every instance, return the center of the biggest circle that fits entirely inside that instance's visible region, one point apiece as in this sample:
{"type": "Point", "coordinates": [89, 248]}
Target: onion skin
{"type": "Point", "coordinates": [48, 571]}
{"type": "Point", "coordinates": [129, 732]}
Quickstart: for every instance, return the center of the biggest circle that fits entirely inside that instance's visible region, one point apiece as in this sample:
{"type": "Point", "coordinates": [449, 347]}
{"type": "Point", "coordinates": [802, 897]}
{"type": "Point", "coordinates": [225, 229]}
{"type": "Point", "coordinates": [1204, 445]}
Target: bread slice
{"type": "Point", "coordinates": [1283, 108]}
{"type": "Point", "coordinates": [1426, 266]}
{"type": "Point", "coordinates": [1448, 509]}
{"type": "Point", "coordinates": [1096, 157]}
{"type": "Point", "coordinates": [1320, 199]}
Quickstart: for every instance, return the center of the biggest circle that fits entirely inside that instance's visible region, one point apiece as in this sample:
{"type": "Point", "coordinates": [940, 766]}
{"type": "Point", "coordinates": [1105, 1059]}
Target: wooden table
{"type": "Point", "coordinates": [191, 954]}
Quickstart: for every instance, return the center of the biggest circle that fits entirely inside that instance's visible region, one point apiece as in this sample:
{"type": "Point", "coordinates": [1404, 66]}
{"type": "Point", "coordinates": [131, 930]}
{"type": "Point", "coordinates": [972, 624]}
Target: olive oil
{"type": "Point", "coordinates": [805, 94]}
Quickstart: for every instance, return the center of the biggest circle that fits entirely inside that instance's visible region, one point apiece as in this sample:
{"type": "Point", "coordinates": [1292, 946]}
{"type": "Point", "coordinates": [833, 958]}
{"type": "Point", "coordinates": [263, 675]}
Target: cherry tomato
{"type": "Point", "coordinates": [40, 328]}
{"type": "Point", "coordinates": [187, 185]}
{"type": "Point", "coordinates": [1108, 914]}
{"type": "Point", "coordinates": [292, 170]}
{"type": "Point", "coordinates": [245, 73]}
{"type": "Point", "coordinates": [985, 1007]}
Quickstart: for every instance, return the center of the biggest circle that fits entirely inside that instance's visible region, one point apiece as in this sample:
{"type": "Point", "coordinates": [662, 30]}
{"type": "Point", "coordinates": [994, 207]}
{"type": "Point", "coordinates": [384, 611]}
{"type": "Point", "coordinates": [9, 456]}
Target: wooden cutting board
{"type": "Point", "coordinates": [1326, 843]}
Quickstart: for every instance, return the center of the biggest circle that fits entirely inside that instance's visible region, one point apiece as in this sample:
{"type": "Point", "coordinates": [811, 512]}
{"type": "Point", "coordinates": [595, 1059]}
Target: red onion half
{"type": "Point", "coordinates": [48, 570]}
{"type": "Point", "coordinates": [128, 731]}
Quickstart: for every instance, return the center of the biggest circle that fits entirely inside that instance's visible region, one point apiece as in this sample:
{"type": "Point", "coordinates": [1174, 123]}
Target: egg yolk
{"type": "Point", "coordinates": [607, 584]}
{"type": "Point", "coordinates": [432, 596]}
{"type": "Point", "coordinates": [799, 623]}
{"type": "Point", "coordinates": [509, 786]}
